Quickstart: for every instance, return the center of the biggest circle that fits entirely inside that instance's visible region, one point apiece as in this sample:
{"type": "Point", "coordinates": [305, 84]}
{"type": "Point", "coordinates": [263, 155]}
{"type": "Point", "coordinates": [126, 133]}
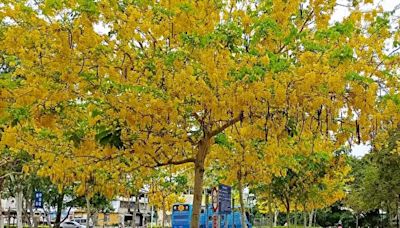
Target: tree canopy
{"type": "Point", "coordinates": [96, 90]}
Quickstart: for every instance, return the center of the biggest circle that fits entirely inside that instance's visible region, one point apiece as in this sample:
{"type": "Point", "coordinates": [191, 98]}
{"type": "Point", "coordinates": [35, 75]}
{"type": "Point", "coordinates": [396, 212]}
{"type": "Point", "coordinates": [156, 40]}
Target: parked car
{"type": "Point", "coordinates": [82, 221]}
{"type": "Point", "coordinates": [71, 224]}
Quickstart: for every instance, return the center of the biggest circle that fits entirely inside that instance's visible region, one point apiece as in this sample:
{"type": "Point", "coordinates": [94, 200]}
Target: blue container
{"type": "Point", "coordinates": [182, 216]}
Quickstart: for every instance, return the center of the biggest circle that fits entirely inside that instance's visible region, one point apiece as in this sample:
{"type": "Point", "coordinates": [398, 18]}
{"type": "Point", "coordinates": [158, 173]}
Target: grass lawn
{"type": "Point", "coordinates": [291, 226]}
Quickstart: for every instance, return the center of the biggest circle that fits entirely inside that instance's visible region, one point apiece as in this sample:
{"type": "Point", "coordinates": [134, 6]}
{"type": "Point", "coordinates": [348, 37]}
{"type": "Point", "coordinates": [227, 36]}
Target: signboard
{"type": "Point", "coordinates": [224, 198]}
{"type": "Point", "coordinates": [214, 198]}
{"type": "Point", "coordinates": [38, 199]}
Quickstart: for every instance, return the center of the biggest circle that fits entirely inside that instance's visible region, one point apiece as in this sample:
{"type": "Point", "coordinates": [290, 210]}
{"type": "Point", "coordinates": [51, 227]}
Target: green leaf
{"type": "Point", "coordinates": [354, 76]}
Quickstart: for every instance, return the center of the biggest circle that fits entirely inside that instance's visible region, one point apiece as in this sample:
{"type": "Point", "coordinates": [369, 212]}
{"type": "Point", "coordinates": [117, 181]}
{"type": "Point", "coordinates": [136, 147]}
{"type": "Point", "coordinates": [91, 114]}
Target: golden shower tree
{"type": "Point", "coordinates": [143, 84]}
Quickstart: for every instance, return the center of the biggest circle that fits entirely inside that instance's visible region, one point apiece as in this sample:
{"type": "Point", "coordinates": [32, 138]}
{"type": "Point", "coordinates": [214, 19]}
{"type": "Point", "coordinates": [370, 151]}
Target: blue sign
{"type": "Point", "coordinates": [38, 199]}
{"type": "Point", "coordinates": [224, 198]}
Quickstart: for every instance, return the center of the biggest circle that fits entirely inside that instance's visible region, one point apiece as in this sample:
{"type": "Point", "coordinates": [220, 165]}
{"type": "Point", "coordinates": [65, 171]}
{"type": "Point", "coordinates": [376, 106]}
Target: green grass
{"type": "Point", "coordinates": [14, 226]}
{"type": "Point", "coordinates": [291, 226]}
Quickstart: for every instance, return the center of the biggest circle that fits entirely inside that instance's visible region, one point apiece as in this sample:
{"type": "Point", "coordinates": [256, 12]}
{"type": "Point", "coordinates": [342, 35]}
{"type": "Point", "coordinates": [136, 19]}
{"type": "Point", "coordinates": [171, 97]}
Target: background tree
{"type": "Point", "coordinates": [166, 188]}
{"type": "Point", "coordinates": [375, 179]}
{"type": "Point", "coordinates": [307, 180]}
{"type": "Point", "coordinates": [244, 160]}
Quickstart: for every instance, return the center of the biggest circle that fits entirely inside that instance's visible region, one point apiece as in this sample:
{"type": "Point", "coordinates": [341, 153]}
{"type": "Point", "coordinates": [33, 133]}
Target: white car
{"type": "Point", "coordinates": [82, 221]}
{"type": "Point", "coordinates": [71, 224]}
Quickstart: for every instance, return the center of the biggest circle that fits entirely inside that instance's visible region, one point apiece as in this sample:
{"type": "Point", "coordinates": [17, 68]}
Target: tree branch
{"type": "Point", "coordinates": [9, 174]}
{"type": "Point", "coordinates": [227, 124]}
{"type": "Point", "coordinates": [171, 162]}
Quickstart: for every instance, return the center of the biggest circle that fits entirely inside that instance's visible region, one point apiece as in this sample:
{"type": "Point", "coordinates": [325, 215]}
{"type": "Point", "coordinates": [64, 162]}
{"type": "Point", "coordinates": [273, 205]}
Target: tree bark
{"type": "Point", "coordinates": [60, 202]}
{"type": "Point", "coordinates": [133, 223]}
{"type": "Point", "coordinates": [95, 217]}
{"type": "Point", "coordinates": [204, 147]}
{"type": "Point", "coordinates": [206, 210]}
{"type": "Point", "coordinates": [87, 211]}
{"type": "Point", "coordinates": [31, 214]}
{"type": "Point", "coordinates": [138, 206]}
{"type": "Point", "coordinates": [46, 212]}
{"type": "Point", "coordinates": [9, 217]}
{"type": "Point", "coordinates": [164, 213]}
{"type": "Point", "coordinates": [397, 214]}
{"type": "Point", "coordinates": [19, 207]}
{"type": "Point", "coordinates": [242, 209]}
{"type": "Point", "coordinates": [287, 202]}
{"type": "Point", "coordinates": [315, 218]}
{"type": "Point", "coordinates": [288, 217]}
{"type": "Point", "coordinates": [136, 210]}
{"type": "Point", "coordinates": [305, 219]}
{"type": "Point", "coordinates": [389, 216]}
{"type": "Point", "coordinates": [310, 219]}
{"type": "Point", "coordinates": [1, 208]}
{"type": "Point", "coordinates": [356, 220]}
{"type": "Point", "coordinates": [276, 217]}
{"type": "Point", "coordinates": [25, 208]}
{"type": "Point", "coordinates": [271, 213]}
{"type": "Point", "coordinates": [271, 219]}
{"type": "Point", "coordinates": [29, 207]}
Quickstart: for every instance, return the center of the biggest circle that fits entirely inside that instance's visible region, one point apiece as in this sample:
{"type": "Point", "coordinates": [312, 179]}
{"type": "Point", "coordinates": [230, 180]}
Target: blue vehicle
{"type": "Point", "coordinates": [182, 215]}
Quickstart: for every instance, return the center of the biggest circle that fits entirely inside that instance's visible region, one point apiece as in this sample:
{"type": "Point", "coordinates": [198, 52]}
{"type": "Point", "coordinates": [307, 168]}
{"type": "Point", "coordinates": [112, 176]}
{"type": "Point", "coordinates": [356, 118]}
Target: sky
{"type": "Point", "coordinates": [341, 11]}
{"type": "Point", "coordinates": [360, 150]}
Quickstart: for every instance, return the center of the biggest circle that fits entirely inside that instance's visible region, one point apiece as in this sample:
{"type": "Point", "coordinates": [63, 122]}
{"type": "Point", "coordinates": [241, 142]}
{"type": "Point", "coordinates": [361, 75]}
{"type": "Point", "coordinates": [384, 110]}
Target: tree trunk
{"type": "Point", "coordinates": [135, 210]}
{"type": "Point", "coordinates": [60, 202]}
{"type": "Point", "coordinates": [305, 219]}
{"type": "Point", "coordinates": [87, 211]}
{"type": "Point", "coordinates": [26, 216]}
{"type": "Point", "coordinates": [242, 209]}
{"type": "Point", "coordinates": [397, 214]}
{"type": "Point", "coordinates": [48, 220]}
{"type": "Point", "coordinates": [276, 217]}
{"type": "Point", "coordinates": [207, 199]}
{"type": "Point", "coordinates": [356, 220]}
{"type": "Point", "coordinates": [271, 218]}
{"type": "Point", "coordinates": [288, 218]}
{"type": "Point", "coordinates": [1, 209]}
{"type": "Point", "coordinates": [31, 214]}
{"type": "Point", "coordinates": [271, 214]}
{"type": "Point", "coordinates": [287, 202]}
{"type": "Point", "coordinates": [29, 207]}
{"type": "Point", "coordinates": [94, 217]}
{"type": "Point", "coordinates": [164, 213]}
{"type": "Point", "coordinates": [151, 216]}
{"type": "Point", "coordinates": [315, 218]}
{"type": "Point", "coordinates": [19, 207]}
{"type": "Point", "coordinates": [389, 216]}
{"type": "Point", "coordinates": [204, 147]}
{"type": "Point", "coordinates": [1, 206]}
{"type": "Point", "coordinates": [9, 217]}
{"type": "Point", "coordinates": [310, 219]}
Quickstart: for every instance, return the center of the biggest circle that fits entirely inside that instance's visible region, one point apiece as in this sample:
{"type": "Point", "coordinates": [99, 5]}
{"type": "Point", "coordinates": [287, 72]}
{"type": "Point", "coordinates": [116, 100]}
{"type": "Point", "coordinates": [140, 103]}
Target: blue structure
{"type": "Point", "coordinates": [182, 215]}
